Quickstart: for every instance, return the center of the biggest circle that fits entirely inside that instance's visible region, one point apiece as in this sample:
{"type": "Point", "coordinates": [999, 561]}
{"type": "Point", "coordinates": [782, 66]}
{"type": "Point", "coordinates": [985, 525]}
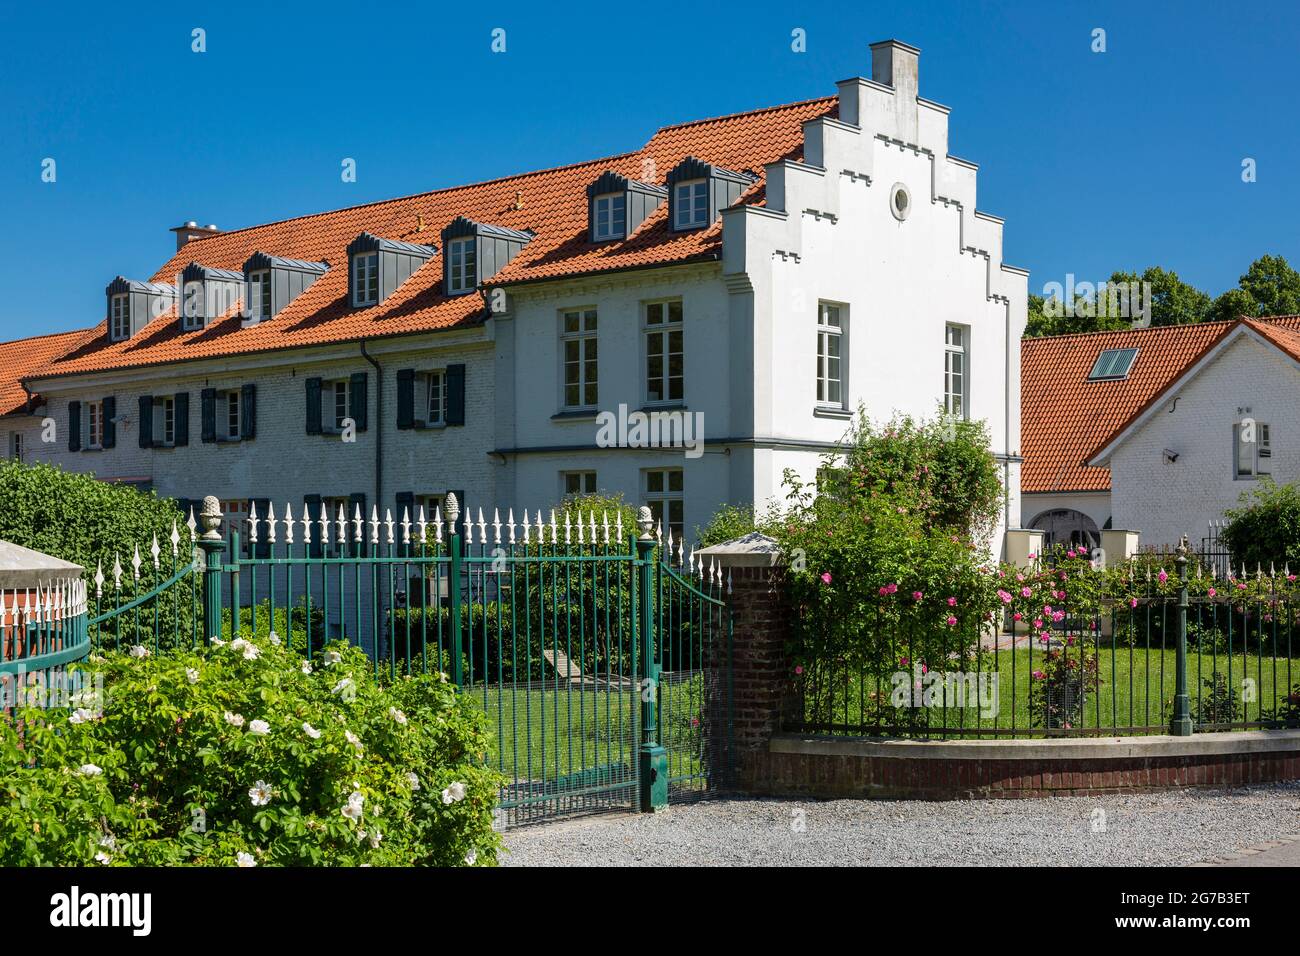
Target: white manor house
{"type": "Point", "coordinates": [761, 274]}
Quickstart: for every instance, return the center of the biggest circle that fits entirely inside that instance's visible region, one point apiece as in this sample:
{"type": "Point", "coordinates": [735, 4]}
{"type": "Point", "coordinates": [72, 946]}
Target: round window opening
{"type": "Point", "coordinates": [900, 202]}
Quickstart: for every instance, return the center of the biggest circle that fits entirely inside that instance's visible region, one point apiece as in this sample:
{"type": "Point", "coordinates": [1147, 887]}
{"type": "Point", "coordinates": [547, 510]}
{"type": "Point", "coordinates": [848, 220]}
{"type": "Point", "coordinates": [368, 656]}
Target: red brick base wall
{"type": "Point", "coordinates": [927, 778]}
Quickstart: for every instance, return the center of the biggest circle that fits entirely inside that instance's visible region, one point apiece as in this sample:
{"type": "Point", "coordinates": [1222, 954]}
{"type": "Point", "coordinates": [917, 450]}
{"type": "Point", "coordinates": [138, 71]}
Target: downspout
{"type": "Point", "coordinates": [379, 424]}
{"type": "Point", "coordinates": [1006, 425]}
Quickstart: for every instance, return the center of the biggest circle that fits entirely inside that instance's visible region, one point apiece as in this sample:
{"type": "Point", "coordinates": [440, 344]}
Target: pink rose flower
{"type": "Point", "coordinates": [952, 621]}
{"type": "Point", "coordinates": [952, 602]}
{"type": "Point", "coordinates": [826, 577]}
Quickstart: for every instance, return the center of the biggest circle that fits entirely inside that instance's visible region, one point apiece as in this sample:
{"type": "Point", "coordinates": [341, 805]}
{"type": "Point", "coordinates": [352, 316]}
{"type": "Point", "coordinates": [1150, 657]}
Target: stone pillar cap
{"type": "Point", "coordinates": [753, 550]}
{"type": "Point", "coordinates": [23, 568]}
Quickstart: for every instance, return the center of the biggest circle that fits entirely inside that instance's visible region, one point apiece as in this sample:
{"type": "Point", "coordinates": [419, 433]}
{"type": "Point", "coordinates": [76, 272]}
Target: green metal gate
{"type": "Point", "coordinates": [602, 656]}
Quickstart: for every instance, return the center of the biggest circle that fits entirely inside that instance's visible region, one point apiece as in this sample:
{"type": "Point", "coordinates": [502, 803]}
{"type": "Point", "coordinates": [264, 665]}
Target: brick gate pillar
{"type": "Point", "coordinates": [761, 677]}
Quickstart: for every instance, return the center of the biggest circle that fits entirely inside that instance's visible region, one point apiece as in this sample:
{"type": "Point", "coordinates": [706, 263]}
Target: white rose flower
{"type": "Point", "coordinates": [80, 716]}
{"type": "Point", "coordinates": [102, 857]}
{"type": "Point", "coordinates": [238, 644]}
{"type": "Point", "coordinates": [274, 639]}
{"type": "Point", "coordinates": [108, 842]}
{"type": "Point", "coordinates": [454, 793]}
{"type": "Point", "coordinates": [90, 770]}
{"type": "Point", "coordinates": [352, 811]}
{"type": "Point", "coordinates": [413, 779]}
{"type": "Point", "coordinates": [306, 667]}
{"type": "Point", "coordinates": [192, 674]}
{"type": "Point", "coordinates": [235, 720]}
{"type": "Point", "coordinates": [471, 856]}
{"type": "Point", "coordinates": [252, 652]}
{"type": "Point", "coordinates": [397, 715]}
{"type": "Point", "coordinates": [259, 727]}
{"type": "Point", "coordinates": [139, 650]}
{"type": "Point", "coordinates": [218, 642]}
{"type": "Point", "coordinates": [353, 739]}
{"type": "Point", "coordinates": [375, 837]}
{"type": "Point", "coordinates": [311, 731]}
{"type": "Point", "coordinates": [260, 793]}
{"type": "Point", "coordinates": [343, 686]}
{"type": "Point", "coordinates": [245, 860]}
{"type": "Point", "coordinates": [332, 657]}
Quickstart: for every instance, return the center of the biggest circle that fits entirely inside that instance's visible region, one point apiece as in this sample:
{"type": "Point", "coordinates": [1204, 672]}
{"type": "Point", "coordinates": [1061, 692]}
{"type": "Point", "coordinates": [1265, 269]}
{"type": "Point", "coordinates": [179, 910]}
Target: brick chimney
{"type": "Point", "coordinates": [192, 230]}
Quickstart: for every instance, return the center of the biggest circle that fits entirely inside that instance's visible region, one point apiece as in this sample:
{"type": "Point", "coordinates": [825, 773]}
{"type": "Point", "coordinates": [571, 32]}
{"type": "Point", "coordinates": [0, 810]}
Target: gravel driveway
{"type": "Point", "coordinates": [1180, 827]}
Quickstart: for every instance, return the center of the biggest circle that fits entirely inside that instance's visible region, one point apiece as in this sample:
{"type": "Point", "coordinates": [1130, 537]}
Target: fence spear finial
{"type": "Point", "coordinates": [388, 525]}
{"type": "Point", "coordinates": [154, 551]}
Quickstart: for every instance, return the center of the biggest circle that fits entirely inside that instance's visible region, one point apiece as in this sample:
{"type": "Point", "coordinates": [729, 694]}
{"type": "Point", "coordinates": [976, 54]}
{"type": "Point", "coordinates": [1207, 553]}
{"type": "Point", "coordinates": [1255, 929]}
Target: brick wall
{"type": "Point", "coordinates": [828, 776]}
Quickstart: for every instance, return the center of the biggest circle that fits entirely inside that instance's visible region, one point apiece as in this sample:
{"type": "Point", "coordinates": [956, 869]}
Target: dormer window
{"type": "Point", "coordinates": [259, 294]}
{"type": "Point", "coordinates": [609, 217]}
{"type": "Point", "coordinates": [208, 294]}
{"type": "Point", "coordinates": [700, 190]}
{"type": "Point", "coordinates": [380, 266]}
{"type": "Point", "coordinates": [691, 204]}
{"type": "Point", "coordinates": [271, 283]}
{"type": "Point", "coordinates": [461, 266]}
{"type": "Point", "coordinates": [365, 279]}
{"type": "Point", "coordinates": [120, 317]}
{"type": "Point", "coordinates": [477, 251]}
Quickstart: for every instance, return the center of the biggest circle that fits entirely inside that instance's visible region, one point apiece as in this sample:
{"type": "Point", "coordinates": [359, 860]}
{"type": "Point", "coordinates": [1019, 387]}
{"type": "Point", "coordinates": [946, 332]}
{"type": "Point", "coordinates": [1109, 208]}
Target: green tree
{"type": "Point", "coordinates": [1173, 301]}
{"type": "Point", "coordinates": [1269, 287]}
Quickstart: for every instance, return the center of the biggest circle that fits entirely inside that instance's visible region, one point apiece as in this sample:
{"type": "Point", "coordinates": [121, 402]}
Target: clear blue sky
{"type": "Point", "coordinates": [1122, 159]}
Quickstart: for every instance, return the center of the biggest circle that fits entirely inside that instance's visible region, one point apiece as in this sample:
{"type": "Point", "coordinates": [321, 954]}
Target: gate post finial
{"type": "Point", "coordinates": [211, 518]}
{"type": "Point", "coordinates": [646, 522]}
{"type": "Point", "coordinates": [452, 509]}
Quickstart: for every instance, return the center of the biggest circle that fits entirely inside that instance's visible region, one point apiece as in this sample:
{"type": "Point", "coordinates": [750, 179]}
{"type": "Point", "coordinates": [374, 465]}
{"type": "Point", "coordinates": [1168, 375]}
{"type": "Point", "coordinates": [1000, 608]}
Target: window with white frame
{"type": "Point", "coordinates": [664, 355]}
{"type": "Point", "coordinates": [691, 204]}
{"type": "Point", "coordinates": [365, 278]}
{"type": "Point", "coordinates": [830, 354]}
{"type": "Point", "coordinates": [337, 394]}
{"type": "Point", "coordinates": [1253, 449]}
{"type": "Point", "coordinates": [578, 482]}
{"type": "Point", "coordinates": [228, 415]}
{"type": "Point", "coordinates": [611, 216]}
{"type": "Point", "coordinates": [94, 422]}
{"type": "Point", "coordinates": [462, 267]}
{"type": "Point", "coordinates": [16, 446]}
{"type": "Point", "coordinates": [956, 371]}
{"type": "Point", "coordinates": [664, 496]}
{"type": "Point", "coordinates": [578, 340]}
{"type": "Point", "coordinates": [120, 316]}
{"type": "Point", "coordinates": [259, 294]}
{"type": "Point", "coordinates": [164, 421]}
{"type": "Point", "coordinates": [435, 406]}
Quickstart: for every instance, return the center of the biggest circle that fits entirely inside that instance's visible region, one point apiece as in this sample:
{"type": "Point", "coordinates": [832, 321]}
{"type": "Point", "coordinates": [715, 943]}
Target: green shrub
{"type": "Point", "coordinates": [1265, 530]}
{"type": "Point", "coordinates": [237, 754]}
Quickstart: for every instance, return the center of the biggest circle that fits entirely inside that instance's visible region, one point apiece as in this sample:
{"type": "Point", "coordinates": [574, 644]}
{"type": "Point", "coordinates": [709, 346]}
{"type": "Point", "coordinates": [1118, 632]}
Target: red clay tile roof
{"type": "Point", "coordinates": [552, 203]}
{"type": "Point", "coordinates": [22, 356]}
{"type": "Point", "coordinates": [1066, 419]}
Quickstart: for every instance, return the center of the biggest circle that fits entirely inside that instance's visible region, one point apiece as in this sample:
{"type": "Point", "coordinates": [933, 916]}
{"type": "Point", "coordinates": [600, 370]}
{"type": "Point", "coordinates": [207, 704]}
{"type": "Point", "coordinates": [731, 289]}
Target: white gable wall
{"type": "Point", "coordinates": [1164, 500]}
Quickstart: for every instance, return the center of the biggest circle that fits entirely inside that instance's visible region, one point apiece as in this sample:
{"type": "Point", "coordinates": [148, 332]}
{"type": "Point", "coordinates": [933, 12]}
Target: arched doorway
{"type": "Point", "coordinates": [1067, 527]}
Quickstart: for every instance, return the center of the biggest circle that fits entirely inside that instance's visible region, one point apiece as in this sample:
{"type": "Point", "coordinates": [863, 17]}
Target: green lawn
{"type": "Point", "coordinates": [1135, 686]}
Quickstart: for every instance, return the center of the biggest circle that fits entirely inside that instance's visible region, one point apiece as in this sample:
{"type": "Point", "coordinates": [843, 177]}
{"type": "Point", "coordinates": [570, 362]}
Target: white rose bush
{"type": "Point", "coordinates": [236, 755]}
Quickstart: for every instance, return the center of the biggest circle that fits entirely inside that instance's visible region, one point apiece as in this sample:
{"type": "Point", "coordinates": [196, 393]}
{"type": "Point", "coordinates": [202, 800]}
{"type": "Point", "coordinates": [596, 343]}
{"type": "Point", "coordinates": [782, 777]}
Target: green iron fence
{"type": "Point", "coordinates": [43, 628]}
{"type": "Point", "coordinates": [600, 655]}
{"type": "Point", "coordinates": [1206, 652]}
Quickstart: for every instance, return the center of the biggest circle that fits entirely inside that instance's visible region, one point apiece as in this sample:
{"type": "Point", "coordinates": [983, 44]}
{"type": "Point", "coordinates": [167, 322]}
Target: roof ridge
{"type": "Point", "coordinates": [50, 335]}
{"type": "Point", "coordinates": [1030, 339]}
{"type": "Point", "coordinates": [419, 195]}
{"type": "Point", "coordinates": [753, 112]}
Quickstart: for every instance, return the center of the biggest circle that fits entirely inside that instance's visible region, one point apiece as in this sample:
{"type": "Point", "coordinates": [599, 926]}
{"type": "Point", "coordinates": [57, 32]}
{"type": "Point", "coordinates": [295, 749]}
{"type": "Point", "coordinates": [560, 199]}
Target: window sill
{"type": "Point", "coordinates": [831, 411]}
{"type": "Point", "coordinates": [576, 415]}
{"type": "Point", "coordinates": [669, 406]}
{"type": "Point", "coordinates": [427, 426]}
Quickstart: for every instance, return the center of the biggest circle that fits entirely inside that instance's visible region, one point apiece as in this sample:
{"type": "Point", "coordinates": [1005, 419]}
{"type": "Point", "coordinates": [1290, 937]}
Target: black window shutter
{"type": "Point", "coordinates": [313, 406]}
{"type": "Point", "coordinates": [74, 426]}
{"type": "Point", "coordinates": [262, 549]}
{"type": "Point", "coordinates": [181, 429]}
{"type": "Point", "coordinates": [358, 500]}
{"type": "Point", "coordinates": [406, 398]}
{"type": "Point", "coordinates": [146, 421]}
{"type": "Point", "coordinates": [357, 400]}
{"type": "Point", "coordinates": [455, 395]}
{"type": "Point", "coordinates": [312, 505]}
{"type": "Point", "coordinates": [248, 411]}
{"type": "Point", "coordinates": [110, 429]}
{"type": "Point", "coordinates": [208, 412]}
